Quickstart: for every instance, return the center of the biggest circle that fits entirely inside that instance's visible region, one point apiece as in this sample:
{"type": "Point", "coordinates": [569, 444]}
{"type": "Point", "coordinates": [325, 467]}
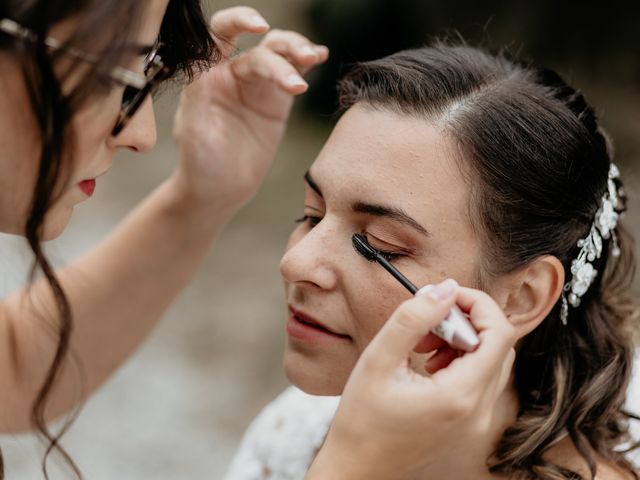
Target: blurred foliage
{"type": "Point", "coordinates": [599, 38]}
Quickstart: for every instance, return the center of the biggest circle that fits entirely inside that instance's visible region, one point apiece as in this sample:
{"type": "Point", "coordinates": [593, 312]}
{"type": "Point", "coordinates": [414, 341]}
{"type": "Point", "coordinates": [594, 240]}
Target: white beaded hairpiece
{"type": "Point", "coordinates": [603, 227]}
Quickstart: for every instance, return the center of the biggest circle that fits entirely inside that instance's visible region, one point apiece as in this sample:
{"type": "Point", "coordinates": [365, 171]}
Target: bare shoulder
{"type": "Point", "coordinates": [612, 472]}
{"type": "Point", "coordinates": [566, 455]}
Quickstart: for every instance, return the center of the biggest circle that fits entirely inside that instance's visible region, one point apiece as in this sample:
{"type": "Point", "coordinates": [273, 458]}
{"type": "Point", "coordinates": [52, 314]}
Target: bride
{"type": "Point", "coordinates": [458, 164]}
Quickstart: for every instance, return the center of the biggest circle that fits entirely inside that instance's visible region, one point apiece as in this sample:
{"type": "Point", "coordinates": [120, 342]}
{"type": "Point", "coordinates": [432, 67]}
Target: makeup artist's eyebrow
{"type": "Point", "coordinates": [311, 182]}
{"type": "Point", "coordinates": [393, 213]}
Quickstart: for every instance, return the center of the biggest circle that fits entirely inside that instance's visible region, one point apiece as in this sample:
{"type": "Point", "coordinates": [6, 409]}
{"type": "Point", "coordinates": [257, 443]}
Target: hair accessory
{"type": "Point", "coordinates": [603, 227]}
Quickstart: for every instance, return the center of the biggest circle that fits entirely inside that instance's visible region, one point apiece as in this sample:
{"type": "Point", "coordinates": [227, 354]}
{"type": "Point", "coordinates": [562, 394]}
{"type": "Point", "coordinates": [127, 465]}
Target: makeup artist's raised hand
{"type": "Point", "coordinates": [231, 119]}
{"type": "Point", "coordinates": [395, 423]}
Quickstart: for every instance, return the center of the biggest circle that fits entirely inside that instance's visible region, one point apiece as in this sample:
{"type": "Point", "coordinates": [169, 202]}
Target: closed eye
{"type": "Point", "coordinates": [388, 255]}
{"type": "Point", "coordinates": [391, 256]}
{"type": "Point", "coordinates": [311, 220]}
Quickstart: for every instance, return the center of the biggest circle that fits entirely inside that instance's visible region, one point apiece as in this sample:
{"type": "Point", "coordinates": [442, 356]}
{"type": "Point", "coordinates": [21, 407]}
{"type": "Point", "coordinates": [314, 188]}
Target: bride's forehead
{"type": "Point", "coordinates": [364, 134]}
{"type": "Point", "coordinates": [384, 154]}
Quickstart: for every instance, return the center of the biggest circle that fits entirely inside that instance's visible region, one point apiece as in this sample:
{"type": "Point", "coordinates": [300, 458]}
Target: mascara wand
{"type": "Point", "coordinates": [361, 244]}
{"type": "Point", "coordinates": [455, 329]}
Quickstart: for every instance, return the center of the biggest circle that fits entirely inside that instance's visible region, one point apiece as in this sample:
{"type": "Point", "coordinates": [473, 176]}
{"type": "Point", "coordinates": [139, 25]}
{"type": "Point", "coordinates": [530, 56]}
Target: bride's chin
{"type": "Point", "coordinates": [313, 379]}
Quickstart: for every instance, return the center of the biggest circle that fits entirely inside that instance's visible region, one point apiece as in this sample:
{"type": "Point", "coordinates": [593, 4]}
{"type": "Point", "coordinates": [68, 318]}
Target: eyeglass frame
{"type": "Point", "coordinates": [155, 70]}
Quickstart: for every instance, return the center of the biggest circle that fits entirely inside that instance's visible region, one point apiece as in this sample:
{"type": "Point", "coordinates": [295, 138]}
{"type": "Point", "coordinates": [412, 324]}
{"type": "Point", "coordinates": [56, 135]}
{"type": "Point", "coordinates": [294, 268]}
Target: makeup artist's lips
{"type": "Point", "coordinates": [88, 186]}
{"type": "Point", "coordinates": [303, 327]}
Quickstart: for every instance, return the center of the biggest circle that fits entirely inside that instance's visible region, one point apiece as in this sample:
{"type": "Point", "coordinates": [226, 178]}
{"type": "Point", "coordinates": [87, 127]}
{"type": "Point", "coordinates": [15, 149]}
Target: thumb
{"type": "Point", "coordinates": [411, 321]}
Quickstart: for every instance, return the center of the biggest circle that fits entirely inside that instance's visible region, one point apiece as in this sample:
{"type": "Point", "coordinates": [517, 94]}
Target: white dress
{"type": "Point", "coordinates": [283, 439]}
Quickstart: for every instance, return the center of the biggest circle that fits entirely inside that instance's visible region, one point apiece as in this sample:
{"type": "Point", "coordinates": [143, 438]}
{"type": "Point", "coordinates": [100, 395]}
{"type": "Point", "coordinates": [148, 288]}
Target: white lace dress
{"type": "Point", "coordinates": [283, 439]}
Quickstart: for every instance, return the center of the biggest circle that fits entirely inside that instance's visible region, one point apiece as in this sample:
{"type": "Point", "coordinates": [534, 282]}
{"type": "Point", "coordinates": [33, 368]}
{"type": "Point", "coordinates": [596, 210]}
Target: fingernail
{"type": "Point", "coordinates": [258, 22]}
{"type": "Point", "coordinates": [308, 51]}
{"type": "Point", "coordinates": [441, 291]}
{"type": "Point", "coordinates": [295, 80]}
{"type": "Point", "coordinates": [320, 49]}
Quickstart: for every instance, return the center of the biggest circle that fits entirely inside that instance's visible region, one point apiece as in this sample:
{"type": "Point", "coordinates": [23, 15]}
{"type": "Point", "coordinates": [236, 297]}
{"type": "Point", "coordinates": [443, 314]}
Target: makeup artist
{"type": "Point", "coordinates": [76, 84]}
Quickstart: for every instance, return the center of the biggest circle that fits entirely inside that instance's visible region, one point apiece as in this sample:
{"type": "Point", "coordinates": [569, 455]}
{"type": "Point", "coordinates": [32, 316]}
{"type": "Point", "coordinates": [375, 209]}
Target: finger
{"type": "Point", "coordinates": [477, 303]}
{"type": "Point", "coordinates": [412, 320]}
{"type": "Point", "coordinates": [473, 371]}
{"type": "Point", "coordinates": [505, 373]}
{"type": "Point", "coordinates": [260, 64]}
{"type": "Point", "coordinates": [295, 47]}
{"type": "Point", "coordinates": [429, 343]}
{"type": "Point", "coordinates": [441, 359]}
{"type": "Point", "coordinates": [229, 23]}
{"type": "Point", "coordinates": [484, 312]}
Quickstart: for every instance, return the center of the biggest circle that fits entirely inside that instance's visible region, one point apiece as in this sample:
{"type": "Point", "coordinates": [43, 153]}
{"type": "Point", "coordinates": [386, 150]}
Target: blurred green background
{"type": "Point", "coordinates": [178, 408]}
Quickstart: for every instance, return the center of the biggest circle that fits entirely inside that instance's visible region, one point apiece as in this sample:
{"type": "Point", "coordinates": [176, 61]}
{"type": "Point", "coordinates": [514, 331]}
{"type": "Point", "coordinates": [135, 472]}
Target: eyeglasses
{"type": "Point", "coordinates": [137, 86]}
{"type": "Point", "coordinates": [155, 72]}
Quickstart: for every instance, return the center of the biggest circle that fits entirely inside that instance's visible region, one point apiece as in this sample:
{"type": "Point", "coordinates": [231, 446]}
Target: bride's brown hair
{"type": "Point", "coordinates": [109, 27]}
{"type": "Point", "coordinates": [539, 163]}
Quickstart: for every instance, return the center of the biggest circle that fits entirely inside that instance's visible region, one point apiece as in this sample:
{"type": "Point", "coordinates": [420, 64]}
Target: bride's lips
{"type": "Point", "coordinates": [88, 186]}
{"type": "Point", "coordinates": [306, 328]}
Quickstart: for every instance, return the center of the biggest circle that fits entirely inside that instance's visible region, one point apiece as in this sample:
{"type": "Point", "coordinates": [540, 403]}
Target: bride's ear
{"type": "Point", "coordinates": [533, 292]}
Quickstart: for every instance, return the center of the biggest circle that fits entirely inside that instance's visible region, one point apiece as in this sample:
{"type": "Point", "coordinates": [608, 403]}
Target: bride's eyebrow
{"type": "Point", "coordinates": [393, 213]}
{"type": "Point", "coordinates": [311, 182]}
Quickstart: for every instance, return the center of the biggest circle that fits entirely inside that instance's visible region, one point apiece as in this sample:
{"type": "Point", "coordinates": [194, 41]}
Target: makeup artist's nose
{"type": "Point", "coordinates": [313, 259]}
{"type": "Point", "coordinates": [139, 135]}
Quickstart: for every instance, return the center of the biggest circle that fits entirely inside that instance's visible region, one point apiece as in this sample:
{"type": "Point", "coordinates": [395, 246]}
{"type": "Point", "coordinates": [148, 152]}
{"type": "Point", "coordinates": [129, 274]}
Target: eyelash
{"type": "Point", "coordinates": [312, 221]}
{"type": "Point", "coordinates": [390, 256]}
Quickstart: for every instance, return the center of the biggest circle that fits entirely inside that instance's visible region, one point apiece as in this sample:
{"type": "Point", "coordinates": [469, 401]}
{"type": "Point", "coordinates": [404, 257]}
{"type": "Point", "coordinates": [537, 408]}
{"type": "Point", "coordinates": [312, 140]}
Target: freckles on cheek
{"type": "Point", "coordinates": [379, 307]}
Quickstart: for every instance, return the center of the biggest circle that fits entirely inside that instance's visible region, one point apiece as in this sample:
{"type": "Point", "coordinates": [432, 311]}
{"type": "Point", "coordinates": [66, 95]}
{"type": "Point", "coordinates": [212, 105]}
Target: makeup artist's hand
{"type": "Point", "coordinates": [395, 423]}
{"type": "Point", "coordinates": [230, 120]}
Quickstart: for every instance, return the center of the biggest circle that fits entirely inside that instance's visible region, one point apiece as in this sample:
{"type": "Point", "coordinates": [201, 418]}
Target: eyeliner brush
{"type": "Point", "coordinates": [455, 329]}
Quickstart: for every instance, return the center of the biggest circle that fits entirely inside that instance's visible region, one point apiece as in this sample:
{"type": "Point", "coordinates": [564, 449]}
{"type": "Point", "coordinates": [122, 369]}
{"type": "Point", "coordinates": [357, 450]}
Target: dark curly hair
{"type": "Point", "coordinates": [539, 163]}
{"type": "Point", "coordinates": [109, 27]}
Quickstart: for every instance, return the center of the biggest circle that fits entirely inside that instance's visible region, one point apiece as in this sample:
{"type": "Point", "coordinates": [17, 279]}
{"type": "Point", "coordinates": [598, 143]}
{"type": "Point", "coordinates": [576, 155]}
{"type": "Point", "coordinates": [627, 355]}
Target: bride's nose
{"type": "Point", "coordinates": [315, 259]}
